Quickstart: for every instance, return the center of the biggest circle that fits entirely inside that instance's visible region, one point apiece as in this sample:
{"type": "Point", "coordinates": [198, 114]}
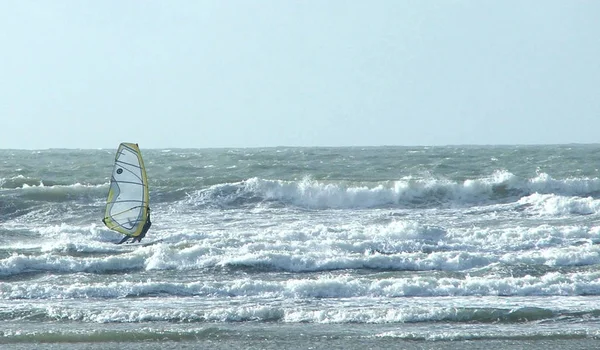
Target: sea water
{"type": "Point", "coordinates": [492, 247]}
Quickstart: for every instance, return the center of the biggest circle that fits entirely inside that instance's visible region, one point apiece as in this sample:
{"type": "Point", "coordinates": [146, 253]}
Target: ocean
{"type": "Point", "coordinates": [477, 247]}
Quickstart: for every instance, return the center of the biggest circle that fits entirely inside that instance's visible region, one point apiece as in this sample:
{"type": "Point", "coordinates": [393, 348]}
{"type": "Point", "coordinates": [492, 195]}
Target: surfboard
{"type": "Point", "coordinates": [140, 244]}
{"type": "Point", "coordinates": [128, 197]}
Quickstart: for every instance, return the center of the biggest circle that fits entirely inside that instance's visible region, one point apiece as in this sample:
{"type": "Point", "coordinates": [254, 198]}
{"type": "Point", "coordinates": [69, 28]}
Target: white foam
{"type": "Point", "coordinates": [323, 287]}
{"type": "Point", "coordinates": [343, 311]}
{"type": "Point", "coordinates": [293, 246]}
{"type": "Point", "coordinates": [409, 191]}
{"type": "Point", "coordinates": [556, 205]}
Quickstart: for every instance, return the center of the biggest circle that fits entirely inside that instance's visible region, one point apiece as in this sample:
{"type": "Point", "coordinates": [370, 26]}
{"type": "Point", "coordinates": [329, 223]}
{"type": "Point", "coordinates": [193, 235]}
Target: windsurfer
{"type": "Point", "coordinates": [144, 229]}
{"type": "Point", "coordinates": [142, 234]}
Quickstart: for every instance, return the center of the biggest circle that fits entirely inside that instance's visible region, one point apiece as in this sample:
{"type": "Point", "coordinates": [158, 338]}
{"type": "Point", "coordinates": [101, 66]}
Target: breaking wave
{"type": "Point", "coordinates": [501, 187]}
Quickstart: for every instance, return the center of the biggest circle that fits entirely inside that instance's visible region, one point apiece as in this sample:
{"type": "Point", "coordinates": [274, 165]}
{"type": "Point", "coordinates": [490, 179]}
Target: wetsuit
{"type": "Point", "coordinates": [142, 234]}
{"type": "Point", "coordinates": [144, 230]}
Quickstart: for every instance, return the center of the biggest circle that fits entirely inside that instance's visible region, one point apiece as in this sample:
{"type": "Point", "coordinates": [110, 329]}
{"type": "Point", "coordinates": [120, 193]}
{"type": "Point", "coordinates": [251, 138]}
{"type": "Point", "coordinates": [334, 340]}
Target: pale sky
{"type": "Point", "coordinates": [166, 74]}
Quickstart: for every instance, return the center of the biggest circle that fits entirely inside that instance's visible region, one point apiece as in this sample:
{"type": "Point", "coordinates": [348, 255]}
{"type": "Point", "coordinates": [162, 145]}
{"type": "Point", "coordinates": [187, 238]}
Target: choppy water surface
{"type": "Point", "coordinates": [284, 247]}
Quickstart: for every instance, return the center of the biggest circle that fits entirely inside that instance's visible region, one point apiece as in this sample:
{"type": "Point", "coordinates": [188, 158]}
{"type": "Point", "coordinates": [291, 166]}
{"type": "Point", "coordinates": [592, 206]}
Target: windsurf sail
{"type": "Point", "coordinates": [128, 198]}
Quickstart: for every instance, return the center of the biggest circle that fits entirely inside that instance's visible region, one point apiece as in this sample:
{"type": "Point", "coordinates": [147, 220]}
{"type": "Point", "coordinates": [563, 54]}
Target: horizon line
{"type": "Point", "coordinates": [289, 146]}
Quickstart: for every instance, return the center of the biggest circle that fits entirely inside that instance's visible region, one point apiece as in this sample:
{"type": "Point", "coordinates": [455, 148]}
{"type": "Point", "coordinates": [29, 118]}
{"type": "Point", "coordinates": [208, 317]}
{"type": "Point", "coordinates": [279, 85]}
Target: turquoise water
{"type": "Point", "coordinates": [417, 247]}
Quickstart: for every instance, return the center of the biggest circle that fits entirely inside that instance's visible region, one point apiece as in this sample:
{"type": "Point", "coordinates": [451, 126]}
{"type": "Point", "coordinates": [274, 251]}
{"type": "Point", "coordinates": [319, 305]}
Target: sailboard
{"type": "Point", "coordinates": [128, 197]}
{"type": "Point", "coordinates": [141, 244]}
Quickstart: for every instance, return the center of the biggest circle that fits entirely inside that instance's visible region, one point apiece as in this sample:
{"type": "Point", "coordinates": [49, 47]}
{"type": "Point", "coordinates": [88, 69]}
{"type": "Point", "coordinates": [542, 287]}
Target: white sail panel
{"type": "Point", "coordinates": [128, 199]}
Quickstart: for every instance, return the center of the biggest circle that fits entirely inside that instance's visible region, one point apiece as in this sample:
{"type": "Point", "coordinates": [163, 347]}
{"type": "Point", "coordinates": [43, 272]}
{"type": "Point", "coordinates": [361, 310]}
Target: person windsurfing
{"type": "Point", "coordinates": [142, 234]}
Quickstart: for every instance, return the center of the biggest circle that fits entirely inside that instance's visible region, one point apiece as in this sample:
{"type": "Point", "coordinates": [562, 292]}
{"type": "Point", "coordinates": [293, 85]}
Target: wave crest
{"type": "Point", "coordinates": [409, 192]}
